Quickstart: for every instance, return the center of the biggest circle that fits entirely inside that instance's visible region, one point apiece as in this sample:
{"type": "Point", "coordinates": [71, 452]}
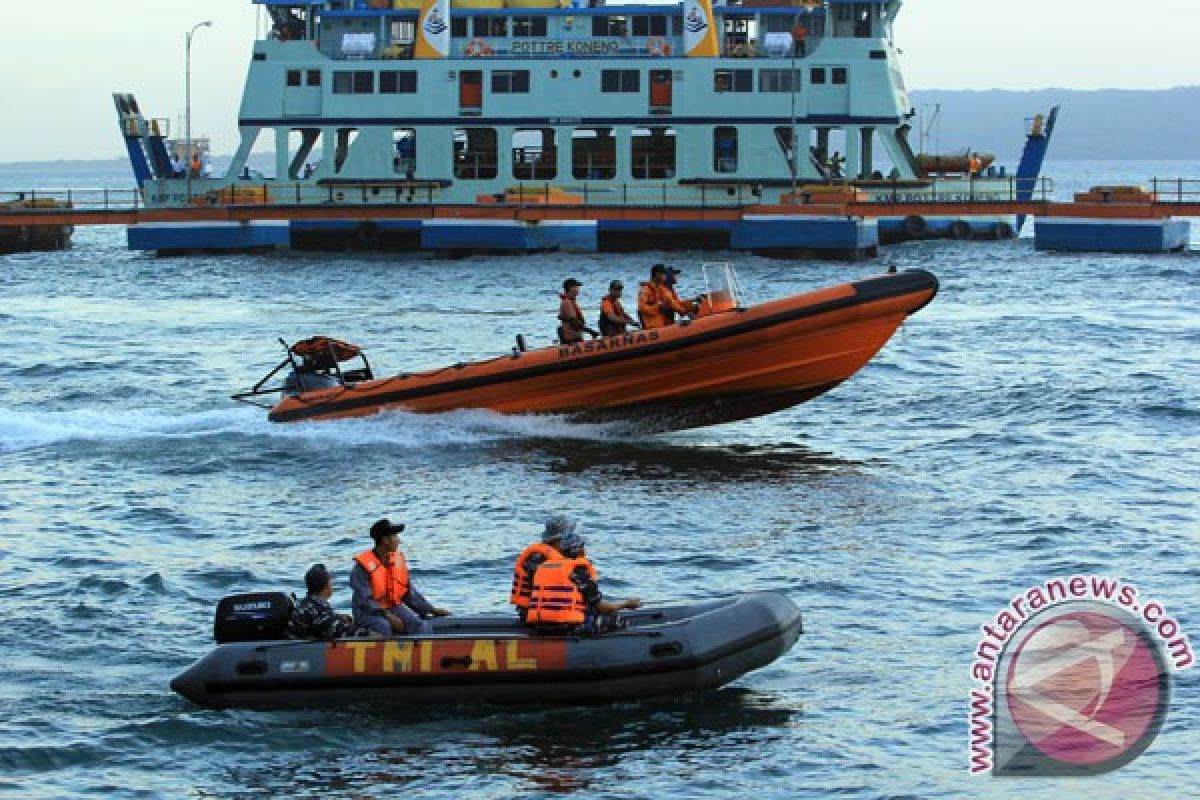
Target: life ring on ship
{"type": "Point", "coordinates": [659, 47]}
{"type": "Point", "coordinates": [476, 48]}
{"type": "Point", "coordinates": [960, 229]}
{"type": "Point", "coordinates": [915, 226]}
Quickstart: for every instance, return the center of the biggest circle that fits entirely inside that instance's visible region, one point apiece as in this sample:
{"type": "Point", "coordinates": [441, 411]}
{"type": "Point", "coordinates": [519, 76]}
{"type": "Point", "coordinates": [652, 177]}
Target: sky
{"type": "Point", "coordinates": [62, 61]}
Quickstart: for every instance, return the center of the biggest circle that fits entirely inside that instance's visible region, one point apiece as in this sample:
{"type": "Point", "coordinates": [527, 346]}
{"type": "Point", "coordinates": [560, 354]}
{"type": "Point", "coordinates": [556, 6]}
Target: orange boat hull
{"type": "Point", "coordinates": [714, 369]}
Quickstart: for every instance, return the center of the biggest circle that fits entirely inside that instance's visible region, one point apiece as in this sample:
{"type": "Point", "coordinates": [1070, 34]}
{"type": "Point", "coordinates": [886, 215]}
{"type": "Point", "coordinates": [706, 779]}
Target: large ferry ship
{"type": "Point", "coordinates": [640, 125]}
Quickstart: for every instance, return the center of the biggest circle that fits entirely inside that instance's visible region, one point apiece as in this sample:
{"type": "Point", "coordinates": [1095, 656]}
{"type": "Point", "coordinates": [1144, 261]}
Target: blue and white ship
{"type": "Point", "coordinates": [695, 123]}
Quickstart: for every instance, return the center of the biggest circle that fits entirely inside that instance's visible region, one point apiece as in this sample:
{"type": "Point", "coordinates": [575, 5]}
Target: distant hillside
{"type": "Point", "coordinates": [1103, 125]}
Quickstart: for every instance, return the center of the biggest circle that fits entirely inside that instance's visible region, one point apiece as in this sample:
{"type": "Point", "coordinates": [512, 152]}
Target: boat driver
{"type": "Point", "coordinates": [385, 601]}
{"type": "Point", "coordinates": [314, 617]}
{"type": "Point", "coordinates": [658, 304]}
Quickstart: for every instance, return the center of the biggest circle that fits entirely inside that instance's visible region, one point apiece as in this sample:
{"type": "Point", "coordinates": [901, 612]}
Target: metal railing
{"type": "Point", "coordinates": [97, 199]}
{"type": "Point", "coordinates": [1175, 190]}
{"type": "Point", "coordinates": [964, 190]}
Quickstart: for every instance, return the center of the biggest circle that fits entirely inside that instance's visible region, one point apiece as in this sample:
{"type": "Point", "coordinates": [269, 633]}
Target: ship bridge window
{"type": "Point", "coordinates": [514, 81]}
{"type": "Point", "coordinates": [644, 25]}
{"type": "Point", "coordinates": [817, 76]}
{"type": "Point", "coordinates": [357, 82]}
{"type": "Point", "coordinates": [778, 80]}
{"type": "Point", "coordinates": [837, 75]}
{"type": "Point", "coordinates": [475, 155]}
{"type": "Point", "coordinates": [529, 26]}
{"type": "Point", "coordinates": [652, 151]}
{"type": "Point", "coordinates": [313, 77]}
{"type": "Point", "coordinates": [293, 77]}
{"type": "Point", "coordinates": [458, 27]}
{"type": "Point", "coordinates": [610, 26]}
{"type": "Point", "coordinates": [402, 81]}
{"type": "Point", "coordinates": [620, 80]}
{"type": "Point", "coordinates": [853, 20]}
{"type": "Point", "coordinates": [490, 26]}
{"type": "Point", "coordinates": [593, 154]}
{"type": "Point", "coordinates": [733, 80]}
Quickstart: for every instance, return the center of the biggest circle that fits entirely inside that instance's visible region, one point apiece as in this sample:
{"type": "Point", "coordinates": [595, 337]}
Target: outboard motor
{"type": "Point", "coordinates": [254, 617]}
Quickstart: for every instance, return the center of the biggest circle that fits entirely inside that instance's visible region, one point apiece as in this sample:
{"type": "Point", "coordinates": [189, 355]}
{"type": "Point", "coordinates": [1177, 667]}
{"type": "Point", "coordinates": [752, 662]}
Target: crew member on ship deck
{"type": "Point", "coordinates": [658, 304]}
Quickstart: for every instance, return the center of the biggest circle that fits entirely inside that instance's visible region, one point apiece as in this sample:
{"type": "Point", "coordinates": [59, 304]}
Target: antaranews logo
{"type": "Point", "coordinates": [1073, 677]}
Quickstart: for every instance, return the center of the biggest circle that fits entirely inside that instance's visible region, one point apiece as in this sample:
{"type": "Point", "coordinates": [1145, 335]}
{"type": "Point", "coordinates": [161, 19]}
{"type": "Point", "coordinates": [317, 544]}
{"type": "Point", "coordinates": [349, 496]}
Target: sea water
{"type": "Point", "coordinates": [1039, 419]}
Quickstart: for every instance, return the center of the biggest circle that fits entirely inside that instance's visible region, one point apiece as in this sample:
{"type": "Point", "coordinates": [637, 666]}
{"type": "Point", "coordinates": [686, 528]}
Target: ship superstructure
{"type": "Point", "coordinates": [481, 102]}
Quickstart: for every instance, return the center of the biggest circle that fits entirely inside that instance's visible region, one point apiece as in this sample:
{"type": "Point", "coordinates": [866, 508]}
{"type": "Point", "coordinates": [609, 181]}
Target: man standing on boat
{"type": "Point", "coordinates": [385, 601]}
{"type": "Point", "coordinates": [658, 304]}
{"type": "Point", "coordinates": [613, 319]}
{"type": "Point", "coordinates": [571, 315]}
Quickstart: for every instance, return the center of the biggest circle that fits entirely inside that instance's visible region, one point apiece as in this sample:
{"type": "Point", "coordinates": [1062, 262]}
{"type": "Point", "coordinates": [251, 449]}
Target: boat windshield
{"type": "Point", "coordinates": [721, 286]}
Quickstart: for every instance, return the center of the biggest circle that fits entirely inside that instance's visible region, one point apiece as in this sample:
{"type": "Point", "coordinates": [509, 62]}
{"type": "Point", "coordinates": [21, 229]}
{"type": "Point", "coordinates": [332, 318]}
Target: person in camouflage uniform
{"type": "Point", "coordinates": [314, 617]}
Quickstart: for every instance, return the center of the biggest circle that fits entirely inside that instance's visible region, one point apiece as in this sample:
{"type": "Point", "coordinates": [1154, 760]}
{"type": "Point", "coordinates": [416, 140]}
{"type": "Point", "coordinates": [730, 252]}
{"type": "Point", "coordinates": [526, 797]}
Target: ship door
{"type": "Point", "coordinates": [470, 90]}
{"type": "Point", "coordinates": [660, 91]}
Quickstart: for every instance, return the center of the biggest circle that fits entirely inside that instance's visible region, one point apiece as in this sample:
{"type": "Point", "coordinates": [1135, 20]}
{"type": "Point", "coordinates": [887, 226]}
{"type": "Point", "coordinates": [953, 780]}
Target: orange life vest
{"type": "Point", "coordinates": [522, 583]}
{"type": "Point", "coordinates": [658, 305]}
{"type": "Point", "coordinates": [555, 598]}
{"type": "Point", "coordinates": [389, 583]}
{"type": "Point", "coordinates": [611, 306]}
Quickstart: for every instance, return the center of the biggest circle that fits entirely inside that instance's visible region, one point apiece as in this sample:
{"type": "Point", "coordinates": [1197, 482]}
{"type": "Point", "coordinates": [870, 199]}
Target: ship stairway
{"type": "Point", "coordinates": [144, 140]}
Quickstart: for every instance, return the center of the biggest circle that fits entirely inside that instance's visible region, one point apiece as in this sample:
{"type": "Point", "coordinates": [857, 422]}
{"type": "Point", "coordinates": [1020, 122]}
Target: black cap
{"type": "Point", "coordinates": [317, 578]}
{"type": "Point", "coordinates": [615, 285]}
{"type": "Point", "coordinates": [384, 527]}
{"type": "Point", "coordinates": [663, 269]}
{"type": "Point", "coordinates": [569, 282]}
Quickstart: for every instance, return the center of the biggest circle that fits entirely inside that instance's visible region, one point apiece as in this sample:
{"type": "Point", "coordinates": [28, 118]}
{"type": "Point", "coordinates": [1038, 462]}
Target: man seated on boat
{"type": "Point", "coordinates": [613, 319]}
{"type": "Point", "coordinates": [658, 304]}
{"type": "Point", "coordinates": [533, 557]}
{"type": "Point", "coordinates": [314, 617]}
{"type": "Point", "coordinates": [385, 601]}
{"type": "Point", "coordinates": [565, 596]}
{"type": "Point", "coordinates": [573, 324]}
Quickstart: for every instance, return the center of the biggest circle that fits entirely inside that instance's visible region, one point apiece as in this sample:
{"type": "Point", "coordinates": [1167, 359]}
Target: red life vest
{"type": "Point", "coordinates": [555, 598]}
{"type": "Point", "coordinates": [572, 327]}
{"type": "Point", "coordinates": [522, 583]}
{"type": "Point", "coordinates": [389, 582]}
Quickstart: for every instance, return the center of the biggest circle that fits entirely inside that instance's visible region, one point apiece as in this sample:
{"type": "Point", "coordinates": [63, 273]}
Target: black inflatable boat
{"type": "Point", "coordinates": [496, 659]}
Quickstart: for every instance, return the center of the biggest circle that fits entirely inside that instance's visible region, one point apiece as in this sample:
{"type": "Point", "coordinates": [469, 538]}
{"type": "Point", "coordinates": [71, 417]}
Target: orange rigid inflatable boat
{"type": "Point", "coordinates": [729, 363]}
